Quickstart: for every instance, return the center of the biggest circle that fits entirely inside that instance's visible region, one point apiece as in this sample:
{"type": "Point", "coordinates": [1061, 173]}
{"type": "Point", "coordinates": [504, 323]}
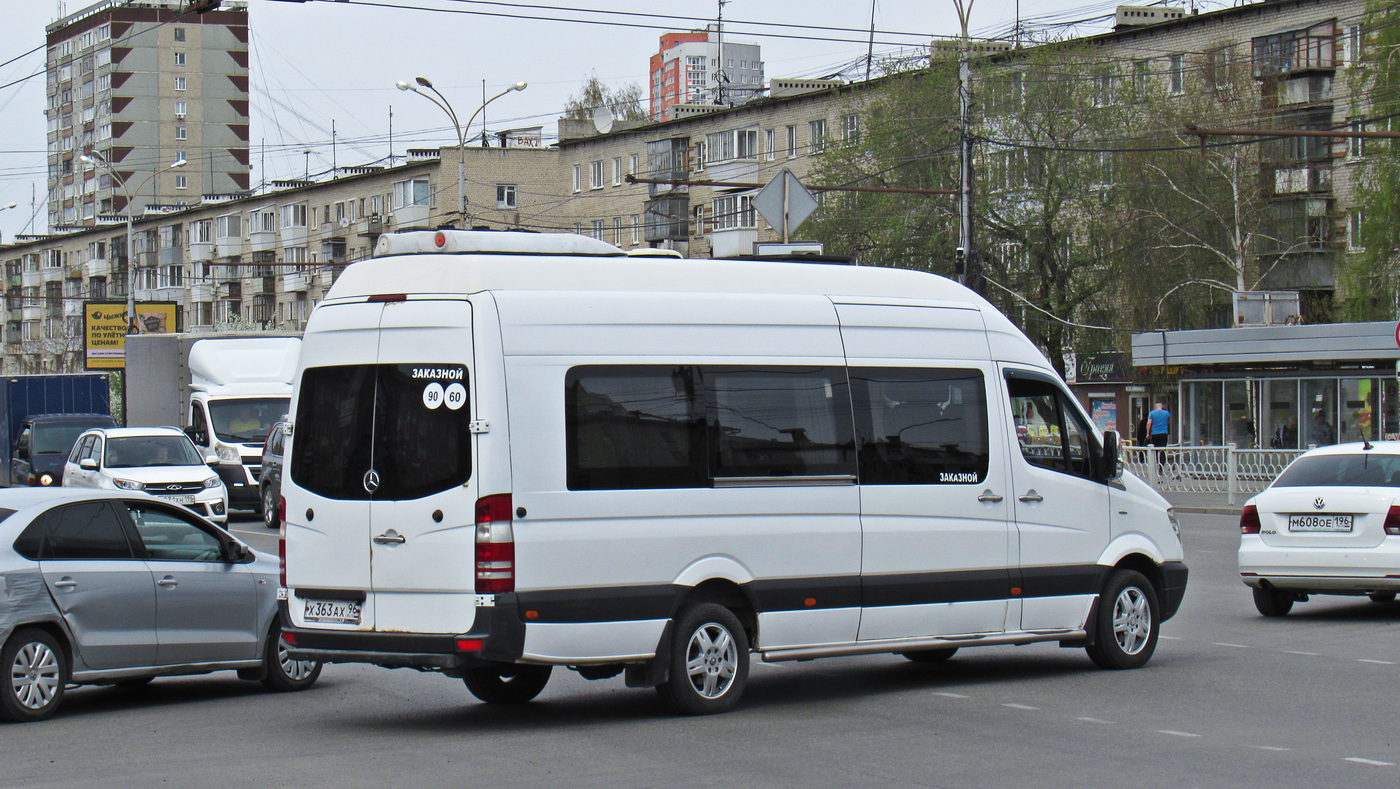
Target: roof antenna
{"type": "Point", "coordinates": [1366, 444]}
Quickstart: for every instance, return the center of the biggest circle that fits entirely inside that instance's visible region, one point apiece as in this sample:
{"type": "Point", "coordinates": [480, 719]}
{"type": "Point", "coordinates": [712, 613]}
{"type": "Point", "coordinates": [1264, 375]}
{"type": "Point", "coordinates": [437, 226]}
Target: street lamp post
{"type": "Point", "coordinates": [95, 158]}
{"type": "Point", "coordinates": [6, 207]}
{"type": "Point", "coordinates": [442, 103]}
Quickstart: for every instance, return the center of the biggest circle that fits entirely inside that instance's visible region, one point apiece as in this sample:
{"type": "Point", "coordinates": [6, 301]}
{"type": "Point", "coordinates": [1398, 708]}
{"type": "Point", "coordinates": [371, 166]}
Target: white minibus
{"type": "Point", "coordinates": [511, 452]}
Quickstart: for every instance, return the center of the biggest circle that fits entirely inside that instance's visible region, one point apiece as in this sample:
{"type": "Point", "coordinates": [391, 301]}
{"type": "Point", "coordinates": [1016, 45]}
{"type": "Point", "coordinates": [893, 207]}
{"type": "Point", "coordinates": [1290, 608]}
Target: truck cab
{"type": "Point", "coordinates": [43, 444]}
{"type": "Point", "coordinates": [234, 429]}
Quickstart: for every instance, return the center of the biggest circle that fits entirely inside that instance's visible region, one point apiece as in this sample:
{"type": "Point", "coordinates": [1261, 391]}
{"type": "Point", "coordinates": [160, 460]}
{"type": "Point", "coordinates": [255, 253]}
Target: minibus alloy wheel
{"type": "Point", "coordinates": [506, 683]}
{"type": "Point", "coordinates": [709, 661]}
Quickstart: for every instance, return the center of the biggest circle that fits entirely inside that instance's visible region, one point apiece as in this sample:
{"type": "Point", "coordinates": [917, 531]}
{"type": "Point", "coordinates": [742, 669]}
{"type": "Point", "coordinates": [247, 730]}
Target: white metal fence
{"type": "Point", "coordinates": [1224, 469]}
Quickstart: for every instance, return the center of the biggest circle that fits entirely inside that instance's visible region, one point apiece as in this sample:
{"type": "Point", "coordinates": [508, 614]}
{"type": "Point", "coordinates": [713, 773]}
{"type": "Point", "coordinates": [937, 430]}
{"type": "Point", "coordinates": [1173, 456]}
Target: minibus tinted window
{"type": "Point", "coordinates": [779, 421]}
{"type": "Point", "coordinates": [332, 444]}
{"type": "Point", "coordinates": [633, 427]}
{"type": "Point", "coordinates": [422, 435]}
{"type": "Point", "coordinates": [920, 426]}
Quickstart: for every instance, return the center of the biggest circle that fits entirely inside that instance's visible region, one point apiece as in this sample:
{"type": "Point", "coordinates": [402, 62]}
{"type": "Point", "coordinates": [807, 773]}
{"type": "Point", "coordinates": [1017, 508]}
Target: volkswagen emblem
{"type": "Point", "coordinates": [1318, 503]}
{"type": "Point", "coordinates": [371, 480]}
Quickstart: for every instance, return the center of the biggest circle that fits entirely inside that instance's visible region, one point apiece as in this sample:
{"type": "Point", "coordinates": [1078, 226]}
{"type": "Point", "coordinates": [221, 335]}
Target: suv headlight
{"type": "Point", "coordinates": [212, 482]}
{"type": "Point", "coordinates": [128, 484]}
{"type": "Point", "coordinates": [228, 454]}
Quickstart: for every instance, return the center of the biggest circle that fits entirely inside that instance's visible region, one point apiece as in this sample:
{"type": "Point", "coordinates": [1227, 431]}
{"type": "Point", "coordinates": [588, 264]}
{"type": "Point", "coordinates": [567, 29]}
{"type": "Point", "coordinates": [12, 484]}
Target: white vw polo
{"type": "Point", "coordinates": [1330, 524]}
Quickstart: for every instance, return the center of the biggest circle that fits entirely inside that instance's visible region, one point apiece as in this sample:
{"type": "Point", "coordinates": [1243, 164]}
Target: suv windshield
{"type": "Point", "coordinates": [1360, 470]}
{"type": "Point", "coordinates": [132, 451]}
{"type": "Point", "coordinates": [247, 420]}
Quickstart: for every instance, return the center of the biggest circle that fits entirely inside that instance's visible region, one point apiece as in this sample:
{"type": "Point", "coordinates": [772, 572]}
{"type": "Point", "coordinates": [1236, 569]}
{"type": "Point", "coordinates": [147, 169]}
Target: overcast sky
{"type": "Point", "coordinates": [316, 64]}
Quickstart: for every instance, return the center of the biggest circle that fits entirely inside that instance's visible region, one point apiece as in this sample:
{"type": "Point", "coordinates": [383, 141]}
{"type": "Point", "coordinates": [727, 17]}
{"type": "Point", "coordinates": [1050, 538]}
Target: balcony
{"type": "Point", "coordinates": [199, 251]}
{"type": "Point", "coordinates": [728, 243]}
{"type": "Point", "coordinates": [203, 291]}
{"type": "Point", "coordinates": [72, 308]}
{"type": "Point", "coordinates": [297, 282]}
{"type": "Point", "coordinates": [173, 256]}
{"type": "Point", "coordinates": [371, 226]}
{"type": "Point", "coordinates": [97, 267]}
{"type": "Point", "coordinates": [228, 246]}
{"type": "Point", "coordinates": [411, 217]}
{"type": "Point", "coordinates": [263, 240]}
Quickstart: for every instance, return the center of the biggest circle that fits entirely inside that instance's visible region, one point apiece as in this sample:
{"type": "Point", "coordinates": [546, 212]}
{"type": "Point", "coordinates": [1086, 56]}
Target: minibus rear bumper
{"type": "Point", "coordinates": [497, 636]}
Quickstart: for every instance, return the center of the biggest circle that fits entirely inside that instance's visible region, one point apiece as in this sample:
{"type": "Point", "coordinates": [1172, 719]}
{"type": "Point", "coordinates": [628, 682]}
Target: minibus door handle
{"type": "Point", "coordinates": [1032, 496]}
{"type": "Point", "coordinates": [989, 496]}
{"type": "Point", "coordinates": [390, 537]}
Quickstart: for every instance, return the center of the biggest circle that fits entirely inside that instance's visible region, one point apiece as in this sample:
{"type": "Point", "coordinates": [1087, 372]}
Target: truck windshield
{"type": "Point", "coordinates": [56, 438]}
{"type": "Point", "coordinates": [247, 420]}
{"type": "Point", "coordinates": [132, 451]}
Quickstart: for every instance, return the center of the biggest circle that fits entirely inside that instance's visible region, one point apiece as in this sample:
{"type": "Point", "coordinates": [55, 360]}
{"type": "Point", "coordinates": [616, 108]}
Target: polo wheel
{"type": "Point", "coordinates": [269, 508]}
{"type": "Point", "coordinates": [38, 673]}
{"type": "Point", "coordinates": [1273, 602]}
{"type": "Point", "coordinates": [709, 661]}
{"type": "Point", "coordinates": [507, 683]}
{"type": "Point", "coordinates": [281, 672]}
{"type": "Point", "coordinates": [1125, 630]}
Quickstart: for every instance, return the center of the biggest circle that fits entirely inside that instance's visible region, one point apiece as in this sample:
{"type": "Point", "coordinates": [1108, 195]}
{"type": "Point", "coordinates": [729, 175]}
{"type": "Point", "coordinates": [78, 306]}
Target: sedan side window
{"type": "Point", "coordinates": [89, 530]}
{"type": "Point", "coordinates": [170, 538]}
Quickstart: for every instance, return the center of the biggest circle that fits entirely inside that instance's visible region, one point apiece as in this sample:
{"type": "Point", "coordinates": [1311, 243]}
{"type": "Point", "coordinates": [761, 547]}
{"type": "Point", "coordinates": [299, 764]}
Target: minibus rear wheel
{"type": "Point", "coordinates": [709, 661]}
{"type": "Point", "coordinates": [1125, 633]}
{"type": "Point", "coordinates": [507, 683]}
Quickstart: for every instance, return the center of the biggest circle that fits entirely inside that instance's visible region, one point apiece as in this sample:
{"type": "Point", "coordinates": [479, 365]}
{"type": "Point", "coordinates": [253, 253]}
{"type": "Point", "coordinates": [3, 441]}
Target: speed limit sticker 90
{"type": "Point", "coordinates": [444, 387]}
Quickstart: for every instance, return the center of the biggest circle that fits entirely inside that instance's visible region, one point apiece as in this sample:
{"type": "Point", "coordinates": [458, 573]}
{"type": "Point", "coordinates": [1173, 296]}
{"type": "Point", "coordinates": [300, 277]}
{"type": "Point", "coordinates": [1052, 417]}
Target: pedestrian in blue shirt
{"type": "Point", "coordinates": [1160, 427]}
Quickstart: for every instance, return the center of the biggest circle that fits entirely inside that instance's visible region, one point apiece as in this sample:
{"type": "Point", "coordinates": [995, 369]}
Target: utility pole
{"type": "Point", "coordinates": [970, 271]}
{"type": "Point", "coordinates": [720, 75]}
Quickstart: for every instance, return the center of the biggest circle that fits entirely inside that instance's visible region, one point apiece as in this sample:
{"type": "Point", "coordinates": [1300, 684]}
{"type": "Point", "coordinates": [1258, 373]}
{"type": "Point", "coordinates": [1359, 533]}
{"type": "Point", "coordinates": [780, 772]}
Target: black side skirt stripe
{"type": "Point", "coordinates": [633, 603]}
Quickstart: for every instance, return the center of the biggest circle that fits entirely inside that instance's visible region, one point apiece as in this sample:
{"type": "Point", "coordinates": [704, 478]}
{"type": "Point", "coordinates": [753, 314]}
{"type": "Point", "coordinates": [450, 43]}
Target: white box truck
{"type": "Point", "coordinates": [226, 392]}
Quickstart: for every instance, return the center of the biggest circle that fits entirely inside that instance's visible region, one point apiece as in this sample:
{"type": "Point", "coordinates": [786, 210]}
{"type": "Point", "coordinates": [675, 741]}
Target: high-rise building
{"type": "Point", "coordinates": [142, 84]}
{"type": "Point", "coordinates": [700, 67]}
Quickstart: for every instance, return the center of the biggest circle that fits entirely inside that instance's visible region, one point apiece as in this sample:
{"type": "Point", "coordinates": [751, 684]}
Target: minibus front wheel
{"type": "Point", "coordinates": [1125, 633]}
{"type": "Point", "coordinates": [709, 661]}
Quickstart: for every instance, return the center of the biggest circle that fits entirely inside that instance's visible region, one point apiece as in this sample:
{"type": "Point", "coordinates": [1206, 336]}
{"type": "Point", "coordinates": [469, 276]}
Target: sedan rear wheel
{"type": "Point", "coordinates": [38, 672]}
{"type": "Point", "coordinates": [285, 673]}
{"type": "Point", "coordinates": [1273, 602]}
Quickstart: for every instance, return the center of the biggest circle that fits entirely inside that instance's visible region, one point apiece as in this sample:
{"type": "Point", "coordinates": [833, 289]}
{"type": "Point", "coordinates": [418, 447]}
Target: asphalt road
{"type": "Point", "coordinates": [1230, 699]}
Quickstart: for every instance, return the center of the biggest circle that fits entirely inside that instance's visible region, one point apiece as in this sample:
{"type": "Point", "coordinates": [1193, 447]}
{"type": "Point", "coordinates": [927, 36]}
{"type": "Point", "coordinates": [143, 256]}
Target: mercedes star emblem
{"type": "Point", "coordinates": [371, 480]}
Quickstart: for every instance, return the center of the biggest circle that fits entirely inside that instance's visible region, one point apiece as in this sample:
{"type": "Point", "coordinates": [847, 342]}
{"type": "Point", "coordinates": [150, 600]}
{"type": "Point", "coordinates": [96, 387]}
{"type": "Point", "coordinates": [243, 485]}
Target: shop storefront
{"type": "Point", "coordinates": [1288, 387]}
{"type": "Point", "coordinates": [1110, 390]}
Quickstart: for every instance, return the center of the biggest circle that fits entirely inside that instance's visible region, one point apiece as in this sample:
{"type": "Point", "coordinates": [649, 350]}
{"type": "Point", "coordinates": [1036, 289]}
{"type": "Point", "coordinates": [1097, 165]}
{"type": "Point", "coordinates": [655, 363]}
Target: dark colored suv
{"type": "Point", "coordinates": [270, 477]}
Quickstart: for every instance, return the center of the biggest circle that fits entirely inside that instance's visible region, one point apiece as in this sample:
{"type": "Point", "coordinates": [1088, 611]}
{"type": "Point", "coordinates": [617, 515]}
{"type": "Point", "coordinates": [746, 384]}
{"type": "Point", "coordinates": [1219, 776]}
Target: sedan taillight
{"type": "Point", "coordinates": [1249, 520]}
{"type": "Point", "coordinates": [1392, 521]}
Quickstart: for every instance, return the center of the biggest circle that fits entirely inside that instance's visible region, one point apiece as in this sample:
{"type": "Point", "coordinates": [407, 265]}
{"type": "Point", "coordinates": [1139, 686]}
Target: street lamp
{"type": "Point", "coordinates": [96, 159]}
{"type": "Point", "coordinates": [441, 102]}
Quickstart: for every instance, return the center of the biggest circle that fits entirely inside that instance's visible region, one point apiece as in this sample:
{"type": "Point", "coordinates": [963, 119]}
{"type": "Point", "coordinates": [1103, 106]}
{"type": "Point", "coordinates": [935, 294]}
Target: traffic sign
{"type": "Point", "coordinates": [785, 202]}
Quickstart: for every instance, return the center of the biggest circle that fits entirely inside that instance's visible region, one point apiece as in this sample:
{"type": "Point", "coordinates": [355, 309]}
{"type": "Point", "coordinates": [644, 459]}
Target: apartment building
{"type": "Point", "coordinates": [254, 261]}
{"type": "Point", "coordinates": [701, 67]}
{"type": "Point", "coordinates": [137, 86]}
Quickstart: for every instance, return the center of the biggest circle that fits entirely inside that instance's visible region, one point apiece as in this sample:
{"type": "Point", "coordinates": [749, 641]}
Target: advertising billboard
{"type": "Point", "coordinates": [105, 328]}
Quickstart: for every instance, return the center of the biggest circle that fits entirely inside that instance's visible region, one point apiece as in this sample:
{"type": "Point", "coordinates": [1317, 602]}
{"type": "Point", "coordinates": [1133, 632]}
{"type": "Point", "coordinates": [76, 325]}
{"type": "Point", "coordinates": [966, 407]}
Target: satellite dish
{"type": "Point", "coordinates": [344, 221]}
{"type": "Point", "coordinates": [602, 120]}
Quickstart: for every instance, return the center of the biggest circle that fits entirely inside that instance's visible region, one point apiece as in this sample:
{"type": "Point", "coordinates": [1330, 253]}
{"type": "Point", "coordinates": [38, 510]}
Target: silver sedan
{"type": "Point", "coordinates": [111, 587]}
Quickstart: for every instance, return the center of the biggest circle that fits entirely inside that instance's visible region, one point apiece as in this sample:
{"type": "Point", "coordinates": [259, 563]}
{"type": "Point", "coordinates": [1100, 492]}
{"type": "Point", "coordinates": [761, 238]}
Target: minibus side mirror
{"type": "Point", "coordinates": [1110, 463]}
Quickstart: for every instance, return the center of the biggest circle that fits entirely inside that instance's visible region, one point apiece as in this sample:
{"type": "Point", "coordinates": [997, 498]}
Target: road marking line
{"type": "Point", "coordinates": [1372, 762]}
{"type": "Point", "coordinates": [1168, 638]}
{"type": "Point", "coordinates": [1177, 733]}
{"type": "Point", "coordinates": [1020, 706]}
{"type": "Point", "coordinates": [949, 695]}
{"type": "Point", "coordinates": [1295, 652]}
{"type": "Point", "coordinates": [1232, 646]}
{"type": "Point", "coordinates": [1377, 662]}
{"type": "Point", "coordinates": [1096, 720]}
{"type": "Point", "coordinates": [1274, 748]}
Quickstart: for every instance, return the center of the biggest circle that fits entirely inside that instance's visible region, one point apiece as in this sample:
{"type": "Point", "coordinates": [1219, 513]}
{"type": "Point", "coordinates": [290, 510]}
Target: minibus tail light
{"type": "Point", "coordinates": [495, 545]}
{"type": "Point", "coordinates": [282, 550]}
{"type": "Point", "coordinates": [1392, 520]}
{"type": "Point", "coordinates": [1249, 520]}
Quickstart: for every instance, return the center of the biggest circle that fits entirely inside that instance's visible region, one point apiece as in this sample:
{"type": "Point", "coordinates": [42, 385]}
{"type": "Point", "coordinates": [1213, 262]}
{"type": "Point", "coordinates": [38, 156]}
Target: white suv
{"type": "Point", "coordinates": [161, 461]}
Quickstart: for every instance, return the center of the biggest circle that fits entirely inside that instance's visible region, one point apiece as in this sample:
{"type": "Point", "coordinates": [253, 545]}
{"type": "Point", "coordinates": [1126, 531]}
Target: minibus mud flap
{"type": "Point", "coordinates": [655, 671]}
{"type": "Point", "coordinates": [1090, 629]}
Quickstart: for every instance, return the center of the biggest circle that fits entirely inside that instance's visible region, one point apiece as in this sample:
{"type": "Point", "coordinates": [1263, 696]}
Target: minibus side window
{"type": "Point", "coordinates": [920, 426]}
{"type": "Point", "coordinates": [779, 421]}
{"type": "Point", "coordinates": [1048, 429]}
{"type": "Point", "coordinates": [334, 422]}
{"type": "Point", "coordinates": [635, 426]}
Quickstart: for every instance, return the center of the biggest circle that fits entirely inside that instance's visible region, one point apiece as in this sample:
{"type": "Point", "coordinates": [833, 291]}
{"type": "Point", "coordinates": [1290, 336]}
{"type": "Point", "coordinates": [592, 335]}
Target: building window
{"type": "Point", "coordinates": [617, 231]}
{"type": "Point", "coordinates": [732, 212]}
{"type": "Point", "coordinates": [850, 129]}
{"type": "Point", "coordinates": [636, 229]}
{"type": "Point", "coordinates": [414, 192]}
{"type": "Point", "coordinates": [179, 83]}
{"type": "Point", "coordinates": [180, 133]}
{"type": "Point", "coordinates": [578, 178]}
{"type": "Point", "coordinates": [104, 33]}
{"type": "Point", "coordinates": [791, 141]}
{"type": "Point", "coordinates": [700, 155]}
{"type": "Point", "coordinates": [294, 215]}
{"type": "Point", "coordinates": [179, 58]}
{"type": "Point", "coordinates": [770, 144]}
{"type": "Point", "coordinates": [1352, 42]}
{"type": "Point", "coordinates": [1355, 219]}
{"type": "Point", "coordinates": [181, 109]}
{"type": "Point", "coordinates": [181, 182]}
{"type": "Point", "coordinates": [816, 135]}
{"type": "Point", "coordinates": [1176, 70]}
{"type": "Point", "coordinates": [595, 228]}
{"type": "Point", "coordinates": [595, 174]}
{"type": "Point", "coordinates": [633, 162]}
{"type": "Point", "coordinates": [617, 171]}
{"type": "Point", "coordinates": [505, 196]}
{"type": "Point", "coordinates": [179, 34]}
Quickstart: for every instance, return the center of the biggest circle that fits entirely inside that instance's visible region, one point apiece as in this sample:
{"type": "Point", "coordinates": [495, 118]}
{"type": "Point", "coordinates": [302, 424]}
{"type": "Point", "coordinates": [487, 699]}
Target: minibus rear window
{"type": "Point", "coordinates": [408, 423]}
{"type": "Point", "coordinates": [920, 426]}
